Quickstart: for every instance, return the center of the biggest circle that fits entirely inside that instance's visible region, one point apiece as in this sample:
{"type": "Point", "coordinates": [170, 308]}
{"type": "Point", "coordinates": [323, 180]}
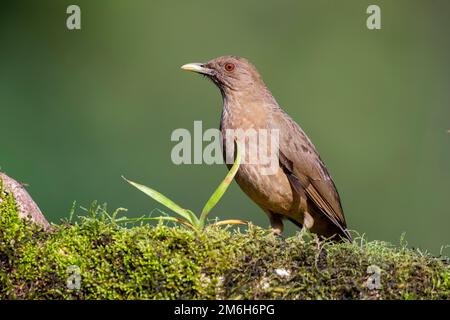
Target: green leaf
{"type": "Point", "coordinates": [222, 188]}
{"type": "Point", "coordinates": [186, 214]}
{"type": "Point", "coordinates": [229, 222]}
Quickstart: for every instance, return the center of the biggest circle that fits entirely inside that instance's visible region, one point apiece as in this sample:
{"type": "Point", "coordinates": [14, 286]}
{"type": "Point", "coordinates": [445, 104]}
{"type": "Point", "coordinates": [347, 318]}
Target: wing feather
{"type": "Point", "coordinates": [306, 170]}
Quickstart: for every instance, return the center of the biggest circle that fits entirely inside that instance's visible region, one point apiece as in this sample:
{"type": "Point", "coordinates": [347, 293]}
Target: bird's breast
{"type": "Point", "coordinates": [259, 175]}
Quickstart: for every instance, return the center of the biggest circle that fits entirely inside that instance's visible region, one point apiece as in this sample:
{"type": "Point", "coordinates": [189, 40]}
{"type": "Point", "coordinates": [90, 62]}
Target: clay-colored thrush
{"type": "Point", "coordinates": [301, 189]}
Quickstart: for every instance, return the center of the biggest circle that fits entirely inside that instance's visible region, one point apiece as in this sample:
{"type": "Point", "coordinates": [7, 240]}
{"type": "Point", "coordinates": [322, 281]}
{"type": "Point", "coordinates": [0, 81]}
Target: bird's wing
{"type": "Point", "coordinates": [305, 170]}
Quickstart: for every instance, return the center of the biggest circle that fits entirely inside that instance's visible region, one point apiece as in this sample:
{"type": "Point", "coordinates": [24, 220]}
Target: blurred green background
{"type": "Point", "coordinates": [80, 108]}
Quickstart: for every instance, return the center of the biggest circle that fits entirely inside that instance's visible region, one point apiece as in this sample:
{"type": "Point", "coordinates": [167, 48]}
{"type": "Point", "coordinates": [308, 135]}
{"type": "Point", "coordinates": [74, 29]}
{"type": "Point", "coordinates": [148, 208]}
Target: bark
{"type": "Point", "coordinates": [26, 206]}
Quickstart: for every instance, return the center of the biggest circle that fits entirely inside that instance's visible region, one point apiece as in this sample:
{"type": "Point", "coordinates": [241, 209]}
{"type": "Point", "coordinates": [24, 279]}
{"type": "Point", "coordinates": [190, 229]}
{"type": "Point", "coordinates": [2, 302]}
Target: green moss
{"type": "Point", "coordinates": [162, 262]}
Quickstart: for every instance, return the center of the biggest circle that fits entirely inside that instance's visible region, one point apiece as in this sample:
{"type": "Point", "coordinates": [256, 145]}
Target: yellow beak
{"type": "Point", "coordinates": [196, 67]}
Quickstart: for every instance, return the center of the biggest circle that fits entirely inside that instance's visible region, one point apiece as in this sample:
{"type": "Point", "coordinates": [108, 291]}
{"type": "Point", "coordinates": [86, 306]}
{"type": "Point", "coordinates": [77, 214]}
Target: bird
{"type": "Point", "coordinates": [301, 188]}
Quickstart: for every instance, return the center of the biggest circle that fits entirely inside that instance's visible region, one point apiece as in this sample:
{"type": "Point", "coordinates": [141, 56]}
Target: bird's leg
{"type": "Point", "coordinates": [276, 221]}
{"type": "Point", "coordinates": [308, 220]}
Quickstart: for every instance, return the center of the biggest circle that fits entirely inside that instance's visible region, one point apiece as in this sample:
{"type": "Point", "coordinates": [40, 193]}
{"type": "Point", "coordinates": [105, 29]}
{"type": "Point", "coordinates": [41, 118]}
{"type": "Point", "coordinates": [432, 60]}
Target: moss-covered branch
{"type": "Point", "coordinates": [26, 206]}
{"type": "Point", "coordinates": [110, 261]}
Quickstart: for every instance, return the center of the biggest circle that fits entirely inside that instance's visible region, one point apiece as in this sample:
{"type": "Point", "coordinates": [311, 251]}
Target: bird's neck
{"type": "Point", "coordinates": [247, 109]}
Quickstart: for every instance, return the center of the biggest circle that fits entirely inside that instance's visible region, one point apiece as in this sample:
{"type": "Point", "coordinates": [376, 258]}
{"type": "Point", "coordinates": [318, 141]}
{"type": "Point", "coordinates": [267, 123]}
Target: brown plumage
{"type": "Point", "coordinates": [301, 189]}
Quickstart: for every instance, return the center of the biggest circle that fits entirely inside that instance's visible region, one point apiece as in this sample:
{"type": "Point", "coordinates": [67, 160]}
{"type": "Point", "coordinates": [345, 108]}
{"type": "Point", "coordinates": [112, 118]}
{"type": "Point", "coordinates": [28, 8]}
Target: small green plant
{"type": "Point", "coordinates": [187, 217]}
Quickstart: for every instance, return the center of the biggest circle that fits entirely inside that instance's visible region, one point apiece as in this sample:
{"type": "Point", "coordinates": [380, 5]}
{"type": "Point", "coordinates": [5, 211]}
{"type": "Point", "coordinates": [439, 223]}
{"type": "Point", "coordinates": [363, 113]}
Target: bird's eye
{"type": "Point", "coordinates": [229, 67]}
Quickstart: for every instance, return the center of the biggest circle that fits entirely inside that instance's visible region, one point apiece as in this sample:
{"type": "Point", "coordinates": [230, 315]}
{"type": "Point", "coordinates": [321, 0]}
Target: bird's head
{"type": "Point", "coordinates": [229, 73]}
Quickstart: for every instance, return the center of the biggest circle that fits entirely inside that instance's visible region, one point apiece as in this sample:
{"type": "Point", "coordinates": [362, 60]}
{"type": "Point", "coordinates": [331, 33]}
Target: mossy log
{"type": "Point", "coordinates": [26, 206]}
{"type": "Point", "coordinates": [97, 258]}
